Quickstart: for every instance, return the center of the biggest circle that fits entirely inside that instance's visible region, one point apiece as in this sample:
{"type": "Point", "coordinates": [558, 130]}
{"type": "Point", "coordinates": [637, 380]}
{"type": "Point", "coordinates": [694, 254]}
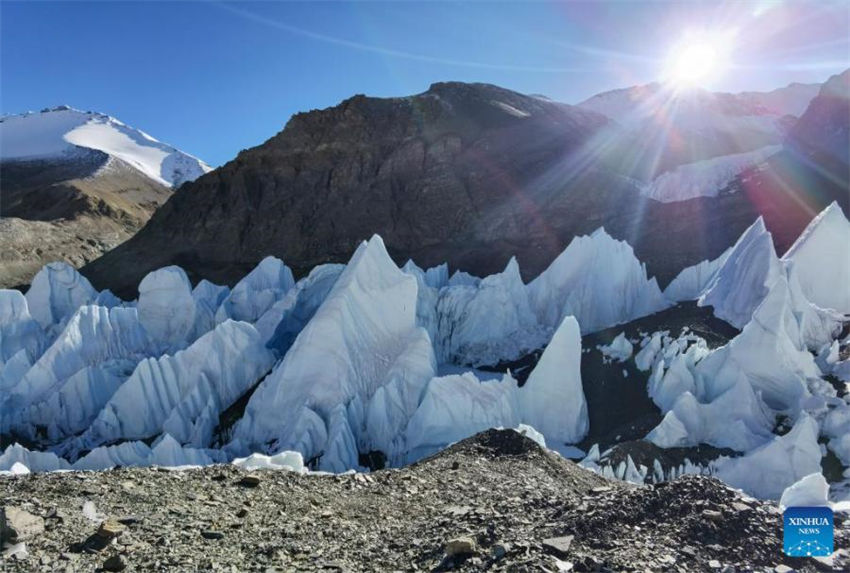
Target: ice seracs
{"type": "Point", "coordinates": [183, 394]}
{"type": "Point", "coordinates": [390, 408]}
{"type": "Point", "coordinates": [735, 283]}
{"type": "Point", "coordinates": [429, 282]}
{"type": "Point", "coordinates": [16, 454]}
{"type": "Point", "coordinates": [810, 491]}
{"type": "Point", "coordinates": [457, 406]}
{"type": "Point", "coordinates": [358, 362]}
{"type": "Point", "coordinates": [552, 399]}
{"type": "Point", "coordinates": [744, 278]}
{"type": "Point", "coordinates": [620, 348]}
{"type": "Point", "coordinates": [490, 322]}
{"type": "Point", "coordinates": [56, 292]}
{"type": "Point", "coordinates": [74, 377]}
{"type": "Point", "coordinates": [166, 306]}
{"type": "Point", "coordinates": [736, 419]}
{"type": "Point", "coordinates": [336, 364]}
{"type": "Point", "coordinates": [19, 332]}
{"type": "Point", "coordinates": [769, 353]}
{"type": "Point", "coordinates": [726, 397]}
{"type": "Point", "coordinates": [282, 322]}
{"type": "Point", "coordinates": [692, 281]}
{"type": "Point", "coordinates": [257, 291]}
{"type": "Point", "coordinates": [598, 280]}
{"type": "Point", "coordinates": [165, 451]}
{"type": "Point", "coordinates": [766, 471]}
{"type": "Point", "coordinates": [821, 262]}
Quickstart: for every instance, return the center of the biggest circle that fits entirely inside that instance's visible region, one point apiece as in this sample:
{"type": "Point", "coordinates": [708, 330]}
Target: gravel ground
{"type": "Point", "coordinates": [495, 501]}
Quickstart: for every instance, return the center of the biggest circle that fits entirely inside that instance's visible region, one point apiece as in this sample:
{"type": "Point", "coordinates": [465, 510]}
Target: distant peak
{"type": "Point", "coordinates": [60, 131]}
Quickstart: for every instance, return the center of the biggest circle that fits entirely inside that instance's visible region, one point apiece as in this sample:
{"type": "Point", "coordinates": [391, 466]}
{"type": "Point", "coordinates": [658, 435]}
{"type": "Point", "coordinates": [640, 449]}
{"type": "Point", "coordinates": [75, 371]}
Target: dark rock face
{"type": "Point", "coordinates": [824, 129]}
{"type": "Point", "coordinates": [467, 174]}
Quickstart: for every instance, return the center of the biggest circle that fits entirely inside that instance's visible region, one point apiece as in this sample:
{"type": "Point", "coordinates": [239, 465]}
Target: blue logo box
{"type": "Point", "coordinates": [807, 531]}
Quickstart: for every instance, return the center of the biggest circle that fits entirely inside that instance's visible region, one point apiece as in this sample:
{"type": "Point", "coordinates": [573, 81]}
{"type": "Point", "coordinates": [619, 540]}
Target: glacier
{"type": "Point", "coordinates": [551, 401]}
{"type": "Point", "coordinates": [620, 348]}
{"type": "Point", "coordinates": [336, 364]}
{"type": "Point", "coordinates": [705, 178]}
{"type": "Point", "coordinates": [182, 395]}
{"type": "Point", "coordinates": [471, 331]}
{"type": "Point", "coordinates": [744, 278]}
{"type": "Point", "coordinates": [768, 470]}
{"type": "Point", "coordinates": [252, 296]}
{"type": "Point", "coordinates": [365, 358]}
{"type": "Point", "coordinates": [56, 292]}
{"type": "Point", "coordinates": [598, 280]}
{"type": "Point", "coordinates": [821, 262]}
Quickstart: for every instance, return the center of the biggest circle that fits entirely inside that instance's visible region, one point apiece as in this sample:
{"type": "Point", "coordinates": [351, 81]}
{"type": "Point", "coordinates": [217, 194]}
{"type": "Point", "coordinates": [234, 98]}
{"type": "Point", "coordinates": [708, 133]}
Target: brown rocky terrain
{"type": "Point", "coordinates": [70, 209]}
{"type": "Point", "coordinates": [471, 174]}
{"type": "Point", "coordinates": [496, 501]}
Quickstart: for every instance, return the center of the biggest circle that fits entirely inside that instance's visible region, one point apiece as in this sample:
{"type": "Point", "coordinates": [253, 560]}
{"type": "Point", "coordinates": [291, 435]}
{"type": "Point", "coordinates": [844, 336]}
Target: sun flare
{"type": "Point", "coordinates": [697, 61]}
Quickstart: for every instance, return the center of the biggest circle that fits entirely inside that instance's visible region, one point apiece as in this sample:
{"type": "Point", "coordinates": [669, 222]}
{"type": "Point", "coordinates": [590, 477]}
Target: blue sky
{"type": "Point", "coordinates": [214, 78]}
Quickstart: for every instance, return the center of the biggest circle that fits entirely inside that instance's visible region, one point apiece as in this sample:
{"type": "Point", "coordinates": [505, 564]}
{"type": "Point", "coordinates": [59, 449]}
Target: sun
{"type": "Point", "coordinates": [697, 61]}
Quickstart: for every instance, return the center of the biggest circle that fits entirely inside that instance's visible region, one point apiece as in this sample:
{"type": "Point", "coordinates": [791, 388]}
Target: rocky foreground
{"type": "Point", "coordinates": [495, 501]}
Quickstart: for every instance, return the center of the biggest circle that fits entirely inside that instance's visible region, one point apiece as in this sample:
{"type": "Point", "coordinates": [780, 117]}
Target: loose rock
{"type": "Point", "coordinates": [19, 525]}
{"type": "Point", "coordinates": [558, 546]}
{"type": "Point", "coordinates": [250, 480]}
{"type": "Point", "coordinates": [115, 563]}
{"type": "Point", "coordinates": [460, 546]}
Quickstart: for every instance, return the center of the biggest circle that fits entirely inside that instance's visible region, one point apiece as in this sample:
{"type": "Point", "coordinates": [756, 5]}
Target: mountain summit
{"type": "Point", "coordinates": [63, 132]}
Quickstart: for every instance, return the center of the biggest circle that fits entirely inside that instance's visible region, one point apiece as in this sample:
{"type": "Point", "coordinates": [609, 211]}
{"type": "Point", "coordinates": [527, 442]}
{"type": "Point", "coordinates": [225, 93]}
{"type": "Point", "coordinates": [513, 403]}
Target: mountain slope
{"type": "Point", "coordinates": [471, 174]}
{"type": "Point", "coordinates": [619, 104]}
{"type": "Point", "coordinates": [75, 184]}
{"type": "Point", "coordinates": [665, 130]}
{"type": "Point", "coordinates": [824, 128]}
{"type": "Point", "coordinates": [811, 171]}
{"type": "Point", "coordinates": [793, 99]}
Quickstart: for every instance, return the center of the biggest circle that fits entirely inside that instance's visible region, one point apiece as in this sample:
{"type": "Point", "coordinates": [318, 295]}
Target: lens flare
{"type": "Point", "coordinates": [698, 60]}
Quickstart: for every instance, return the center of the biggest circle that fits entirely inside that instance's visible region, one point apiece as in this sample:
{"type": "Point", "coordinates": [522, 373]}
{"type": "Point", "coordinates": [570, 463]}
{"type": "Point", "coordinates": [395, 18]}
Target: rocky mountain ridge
{"type": "Point", "coordinates": [470, 174]}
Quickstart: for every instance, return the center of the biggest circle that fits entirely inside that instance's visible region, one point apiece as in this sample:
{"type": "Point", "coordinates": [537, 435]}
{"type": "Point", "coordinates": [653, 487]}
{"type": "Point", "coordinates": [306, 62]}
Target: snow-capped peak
{"type": "Point", "coordinates": [61, 130]}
